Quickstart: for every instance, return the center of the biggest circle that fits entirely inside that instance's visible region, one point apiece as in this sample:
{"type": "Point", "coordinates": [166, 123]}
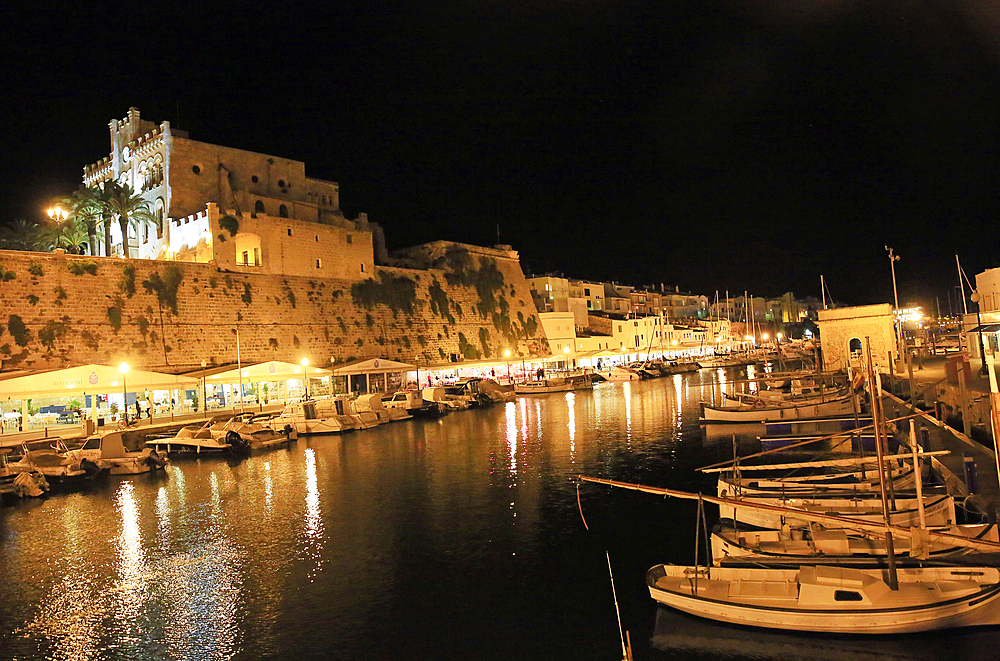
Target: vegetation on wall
{"type": "Point", "coordinates": [52, 331]}
{"type": "Point", "coordinates": [18, 330]}
{"type": "Point", "coordinates": [484, 339]}
{"type": "Point", "coordinates": [81, 266]}
{"type": "Point", "coordinates": [115, 317]}
{"type": "Point", "coordinates": [440, 305]}
{"type": "Point", "coordinates": [466, 349]}
{"type": "Point", "coordinates": [398, 293]}
{"type": "Point", "coordinates": [273, 342]}
{"type": "Point", "coordinates": [368, 320]}
{"type": "Point", "coordinates": [126, 283]}
{"type": "Point", "coordinates": [6, 276]}
{"type": "Point", "coordinates": [247, 297]}
{"type": "Point", "coordinates": [35, 269]}
{"type": "Point", "coordinates": [165, 287]}
{"type": "Point", "coordinates": [143, 325]}
{"type": "Point", "coordinates": [32, 299]}
{"type": "Point", "coordinates": [230, 224]}
{"type": "Point", "coordinates": [61, 295]}
{"type": "Point", "coordinates": [91, 341]}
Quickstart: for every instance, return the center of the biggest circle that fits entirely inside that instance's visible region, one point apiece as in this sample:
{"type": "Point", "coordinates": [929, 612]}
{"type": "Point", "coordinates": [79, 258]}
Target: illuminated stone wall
{"type": "Point", "coordinates": [60, 310]}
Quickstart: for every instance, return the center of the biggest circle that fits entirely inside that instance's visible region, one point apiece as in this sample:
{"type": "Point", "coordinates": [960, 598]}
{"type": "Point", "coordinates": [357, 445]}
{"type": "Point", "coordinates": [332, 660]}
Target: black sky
{"type": "Point", "coordinates": [727, 145]}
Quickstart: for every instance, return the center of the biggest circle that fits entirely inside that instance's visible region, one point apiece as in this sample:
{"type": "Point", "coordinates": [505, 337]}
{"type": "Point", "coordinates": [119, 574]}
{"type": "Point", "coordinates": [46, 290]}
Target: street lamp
{"type": "Point", "coordinates": [506, 354]}
{"type": "Point", "coordinates": [305, 376]}
{"type": "Point", "coordinates": [976, 298]}
{"type": "Point", "coordinates": [58, 214]}
{"type": "Point", "coordinates": [123, 368]}
{"type": "Point", "coordinates": [204, 394]}
{"type": "Point", "coordinates": [893, 258]}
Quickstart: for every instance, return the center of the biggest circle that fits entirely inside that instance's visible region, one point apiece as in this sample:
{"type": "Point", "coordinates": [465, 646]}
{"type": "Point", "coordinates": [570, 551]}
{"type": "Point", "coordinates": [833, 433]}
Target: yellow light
{"type": "Point", "coordinates": [675, 343]}
{"type": "Point", "coordinates": [123, 368]}
{"type": "Point", "coordinates": [507, 352]}
{"type": "Point", "coordinates": [780, 336]}
{"type": "Point", "coordinates": [305, 362]}
{"type": "Point", "coordinates": [565, 349]}
{"type": "Point", "coordinates": [763, 336]}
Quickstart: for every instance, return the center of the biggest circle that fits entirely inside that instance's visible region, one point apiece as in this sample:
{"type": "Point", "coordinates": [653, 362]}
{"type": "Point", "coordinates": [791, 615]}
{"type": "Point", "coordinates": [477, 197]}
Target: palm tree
{"type": "Point", "coordinates": [71, 235]}
{"type": "Point", "coordinates": [129, 209]}
{"type": "Point", "coordinates": [21, 234]}
{"type": "Point", "coordinates": [85, 209]}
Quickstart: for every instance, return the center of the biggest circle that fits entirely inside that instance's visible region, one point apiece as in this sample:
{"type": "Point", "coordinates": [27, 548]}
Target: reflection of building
{"type": "Point", "coordinates": [845, 330]}
{"type": "Point", "coordinates": [246, 211]}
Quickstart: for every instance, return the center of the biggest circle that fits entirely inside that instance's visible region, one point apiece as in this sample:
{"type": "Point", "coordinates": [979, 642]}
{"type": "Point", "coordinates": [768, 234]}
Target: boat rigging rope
{"type": "Point", "coordinates": [580, 505]}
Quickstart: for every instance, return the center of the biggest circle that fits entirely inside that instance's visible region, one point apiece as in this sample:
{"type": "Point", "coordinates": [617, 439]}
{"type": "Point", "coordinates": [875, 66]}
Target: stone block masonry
{"type": "Point", "coordinates": [62, 310]}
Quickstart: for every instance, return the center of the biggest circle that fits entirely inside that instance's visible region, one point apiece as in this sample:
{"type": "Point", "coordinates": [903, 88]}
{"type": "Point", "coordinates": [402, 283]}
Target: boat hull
{"type": "Point", "coordinates": [749, 414]}
{"type": "Point", "coordinates": [816, 598]}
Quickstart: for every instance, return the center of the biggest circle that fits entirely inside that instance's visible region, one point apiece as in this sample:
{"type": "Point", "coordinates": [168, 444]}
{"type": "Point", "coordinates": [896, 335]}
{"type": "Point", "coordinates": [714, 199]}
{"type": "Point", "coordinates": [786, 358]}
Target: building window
{"type": "Point", "coordinates": [317, 237]}
{"type": "Point", "coordinates": [258, 206]}
{"type": "Point", "coordinates": [195, 169]}
{"type": "Point", "coordinates": [350, 239]}
{"type": "Point", "coordinates": [254, 179]}
{"type": "Point", "coordinates": [319, 263]}
{"type": "Point", "coordinates": [281, 183]}
{"type": "Point", "coordinates": [283, 211]}
{"type": "Point", "coordinates": [362, 268]}
{"type": "Point", "coordinates": [289, 231]}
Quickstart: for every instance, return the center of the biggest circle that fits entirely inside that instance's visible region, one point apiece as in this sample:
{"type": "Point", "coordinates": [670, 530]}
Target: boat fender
{"type": "Point", "coordinates": [236, 442]}
{"type": "Point", "coordinates": [758, 404]}
{"type": "Point", "coordinates": [89, 467]}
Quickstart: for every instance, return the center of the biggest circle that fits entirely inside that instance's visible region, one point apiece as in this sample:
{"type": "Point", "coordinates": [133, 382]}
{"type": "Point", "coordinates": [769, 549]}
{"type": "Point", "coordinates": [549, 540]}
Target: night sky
{"type": "Point", "coordinates": [710, 145]}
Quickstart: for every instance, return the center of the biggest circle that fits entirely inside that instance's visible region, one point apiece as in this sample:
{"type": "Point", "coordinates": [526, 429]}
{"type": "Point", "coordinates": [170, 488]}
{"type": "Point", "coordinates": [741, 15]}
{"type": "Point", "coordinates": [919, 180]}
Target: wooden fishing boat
{"type": "Point", "coordinates": [833, 599]}
{"type": "Point", "coordinates": [761, 412]}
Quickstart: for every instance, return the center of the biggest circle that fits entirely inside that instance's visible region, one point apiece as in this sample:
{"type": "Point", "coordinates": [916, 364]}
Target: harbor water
{"type": "Point", "coordinates": [466, 537]}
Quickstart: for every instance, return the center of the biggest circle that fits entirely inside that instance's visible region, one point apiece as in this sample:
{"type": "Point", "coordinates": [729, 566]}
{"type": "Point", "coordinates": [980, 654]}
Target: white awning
{"type": "Point", "coordinates": [373, 366]}
{"type": "Point", "coordinates": [273, 370]}
{"type": "Point", "coordinates": [98, 379]}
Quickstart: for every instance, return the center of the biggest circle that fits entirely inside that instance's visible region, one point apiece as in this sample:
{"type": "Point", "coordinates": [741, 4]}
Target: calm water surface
{"type": "Point", "coordinates": [446, 539]}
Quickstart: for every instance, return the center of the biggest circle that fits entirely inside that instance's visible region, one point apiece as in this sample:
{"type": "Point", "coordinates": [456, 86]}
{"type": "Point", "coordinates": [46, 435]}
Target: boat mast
{"type": "Point", "coordinates": [874, 388]}
{"type": "Point", "coordinates": [822, 288]}
{"type": "Point", "coordinates": [961, 284]}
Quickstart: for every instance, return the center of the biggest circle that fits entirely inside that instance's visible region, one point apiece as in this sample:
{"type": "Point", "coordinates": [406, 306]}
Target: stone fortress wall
{"type": "Point", "coordinates": [436, 303]}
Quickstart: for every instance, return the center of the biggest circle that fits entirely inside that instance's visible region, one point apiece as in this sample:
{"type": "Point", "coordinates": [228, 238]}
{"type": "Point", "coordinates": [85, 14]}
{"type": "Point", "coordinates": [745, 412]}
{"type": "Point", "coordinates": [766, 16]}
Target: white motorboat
{"type": "Point", "coordinates": [250, 431]}
{"type": "Point", "coordinates": [325, 416]}
{"type": "Point", "coordinates": [372, 404]}
{"type": "Point", "coordinates": [555, 384]}
{"type": "Point", "coordinates": [20, 483]}
{"type": "Point", "coordinates": [109, 450]}
{"type": "Point", "coordinates": [196, 439]}
{"type": "Point", "coordinates": [833, 599]}
{"type": "Point", "coordinates": [58, 467]}
{"type": "Point", "coordinates": [413, 402]}
{"type": "Point", "coordinates": [618, 373]}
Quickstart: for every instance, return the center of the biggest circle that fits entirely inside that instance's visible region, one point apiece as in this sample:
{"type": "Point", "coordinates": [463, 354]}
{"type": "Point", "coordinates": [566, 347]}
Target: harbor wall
{"type": "Point", "coordinates": [445, 302]}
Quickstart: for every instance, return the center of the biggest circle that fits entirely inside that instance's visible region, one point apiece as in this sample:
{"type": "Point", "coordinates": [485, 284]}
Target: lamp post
{"type": "Point", "coordinates": [893, 258]}
{"type": "Point", "coordinates": [305, 376]}
{"type": "Point", "coordinates": [976, 298]}
{"type": "Point", "coordinates": [123, 368]}
{"type": "Point", "coordinates": [506, 354]}
{"type": "Point", "coordinates": [566, 361]}
{"type": "Point", "coordinates": [204, 394]}
{"type": "Point", "coordinates": [57, 214]}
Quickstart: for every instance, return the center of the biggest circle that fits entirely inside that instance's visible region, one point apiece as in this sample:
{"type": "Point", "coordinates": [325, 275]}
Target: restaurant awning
{"type": "Point", "coordinates": [373, 366]}
{"type": "Point", "coordinates": [272, 370]}
{"type": "Point", "coordinates": [87, 378]}
{"type": "Point", "coordinates": [985, 328]}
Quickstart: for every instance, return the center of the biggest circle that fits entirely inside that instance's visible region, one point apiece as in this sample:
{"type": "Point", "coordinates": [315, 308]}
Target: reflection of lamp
{"type": "Point", "coordinates": [305, 376]}
{"type": "Point", "coordinates": [123, 368]}
{"type": "Point", "coordinates": [976, 298]}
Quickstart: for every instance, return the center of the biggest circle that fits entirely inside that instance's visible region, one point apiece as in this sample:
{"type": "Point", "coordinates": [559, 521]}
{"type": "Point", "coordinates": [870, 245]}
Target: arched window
{"type": "Point", "coordinates": [283, 211]}
{"type": "Point", "coordinates": [258, 206]}
{"type": "Point", "coordinates": [159, 217]}
{"type": "Point", "coordinates": [248, 250]}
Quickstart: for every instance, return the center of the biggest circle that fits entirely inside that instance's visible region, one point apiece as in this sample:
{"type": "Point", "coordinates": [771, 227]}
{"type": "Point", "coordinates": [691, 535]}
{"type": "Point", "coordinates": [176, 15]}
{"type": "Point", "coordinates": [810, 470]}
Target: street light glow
{"type": "Point", "coordinates": [123, 368]}
{"type": "Point", "coordinates": [58, 214]}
